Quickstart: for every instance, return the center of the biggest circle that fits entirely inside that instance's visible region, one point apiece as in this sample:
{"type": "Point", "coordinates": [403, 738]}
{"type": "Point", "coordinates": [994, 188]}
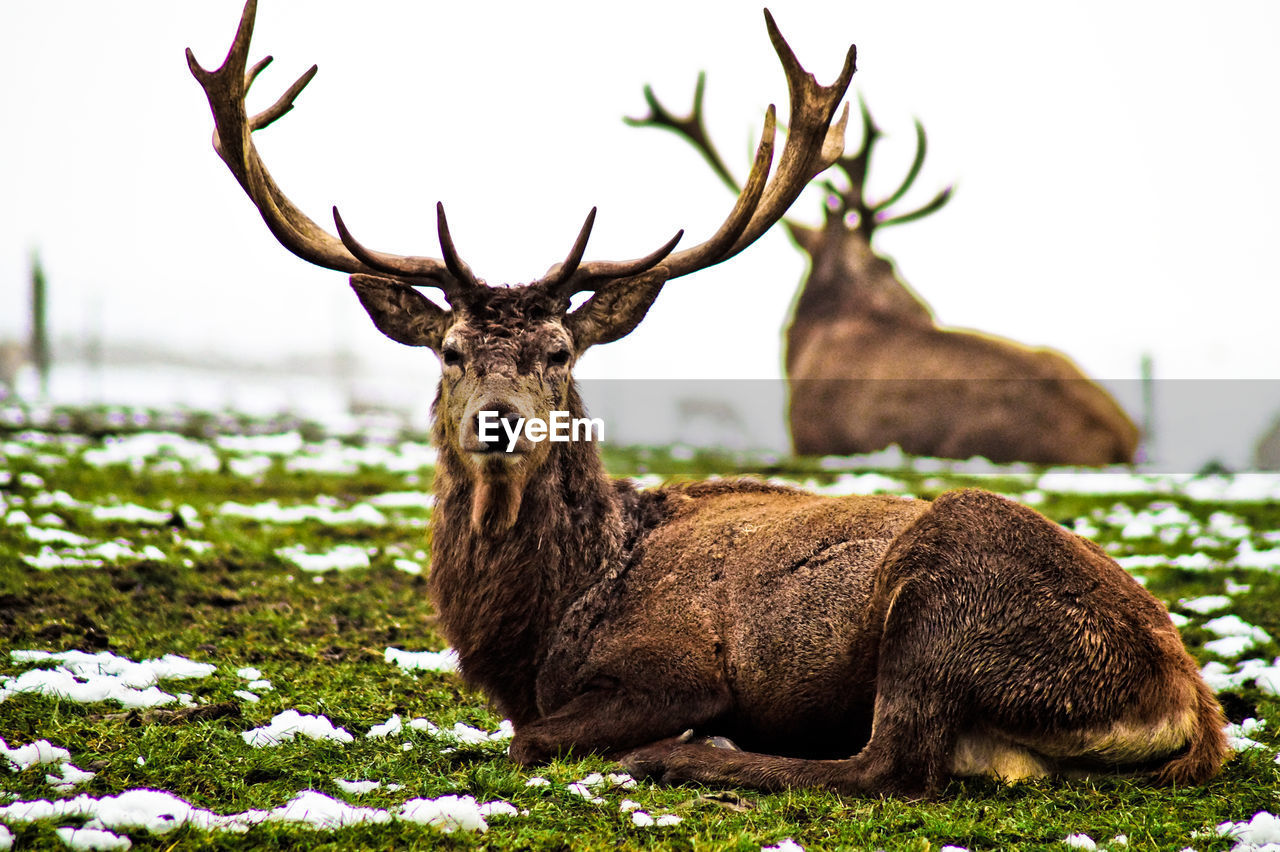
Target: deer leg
{"type": "Point", "coordinates": [914, 729]}
{"type": "Point", "coordinates": [611, 721]}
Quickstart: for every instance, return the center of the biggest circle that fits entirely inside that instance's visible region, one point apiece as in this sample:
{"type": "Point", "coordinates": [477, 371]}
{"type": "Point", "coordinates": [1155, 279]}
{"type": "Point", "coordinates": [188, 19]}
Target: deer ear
{"type": "Point", "coordinates": [614, 311]}
{"type": "Point", "coordinates": [400, 312]}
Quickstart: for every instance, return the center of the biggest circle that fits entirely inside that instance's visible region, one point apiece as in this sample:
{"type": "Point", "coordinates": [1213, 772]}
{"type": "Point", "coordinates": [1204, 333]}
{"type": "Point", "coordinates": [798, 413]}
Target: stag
{"type": "Point", "coordinates": [965, 635]}
{"type": "Point", "coordinates": [868, 366]}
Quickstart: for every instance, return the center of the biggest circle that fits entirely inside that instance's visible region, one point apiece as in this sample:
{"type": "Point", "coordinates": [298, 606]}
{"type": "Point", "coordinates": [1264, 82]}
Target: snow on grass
{"type": "Point", "coordinates": [1240, 737]}
{"type": "Point", "coordinates": [1080, 841]}
{"type": "Point", "coordinates": [6, 838]}
{"type": "Point", "coordinates": [1221, 678]}
{"type": "Point", "coordinates": [131, 513]}
{"type": "Point", "coordinates": [1237, 636]}
{"type": "Point", "coordinates": [137, 450]}
{"type": "Point", "coordinates": [360, 788]}
{"type": "Point", "coordinates": [289, 724]}
{"type": "Point", "coordinates": [282, 444]}
{"type": "Point", "coordinates": [423, 661]}
{"type": "Point", "coordinates": [1261, 832]}
{"type": "Point", "coordinates": [158, 812]}
{"type": "Point", "coordinates": [344, 557]}
{"type": "Point", "coordinates": [40, 753]}
{"type": "Point", "coordinates": [404, 500]}
{"type": "Point", "coordinates": [86, 678]}
{"type": "Point", "coordinates": [92, 838]}
{"type": "Point", "coordinates": [1206, 604]}
{"type": "Point", "coordinates": [387, 728]}
{"type": "Point", "coordinates": [271, 512]}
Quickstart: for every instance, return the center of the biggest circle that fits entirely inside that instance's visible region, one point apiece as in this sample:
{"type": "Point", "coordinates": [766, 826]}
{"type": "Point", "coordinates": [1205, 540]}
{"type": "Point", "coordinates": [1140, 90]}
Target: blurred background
{"type": "Point", "coordinates": [1115, 194]}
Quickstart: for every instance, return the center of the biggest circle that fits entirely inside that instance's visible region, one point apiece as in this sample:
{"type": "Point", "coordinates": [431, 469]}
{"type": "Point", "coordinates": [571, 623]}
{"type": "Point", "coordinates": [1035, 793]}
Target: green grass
{"type": "Point", "coordinates": [239, 603]}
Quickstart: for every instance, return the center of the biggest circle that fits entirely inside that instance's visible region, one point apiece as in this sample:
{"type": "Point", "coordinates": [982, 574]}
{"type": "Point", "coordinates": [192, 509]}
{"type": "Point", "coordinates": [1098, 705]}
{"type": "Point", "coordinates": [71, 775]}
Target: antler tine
{"type": "Point", "coordinates": [225, 89]}
{"type": "Point", "coordinates": [559, 275]}
{"type": "Point", "coordinates": [813, 143]}
{"type": "Point", "coordinates": [692, 127]}
{"type": "Point", "coordinates": [912, 173]}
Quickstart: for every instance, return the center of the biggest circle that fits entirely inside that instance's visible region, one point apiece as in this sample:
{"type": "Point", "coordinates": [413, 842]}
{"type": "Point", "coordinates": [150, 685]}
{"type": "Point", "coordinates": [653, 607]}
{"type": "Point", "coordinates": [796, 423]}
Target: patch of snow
{"type": "Point", "coordinates": [248, 673]}
{"type": "Point", "coordinates": [1248, 557]}
{"type": "Point", "coordinates": [447, 813]}
{"type": "Point", "coordinates": [357, 788]}
{"type": "Point", "coordinates": [1197, 561]}
{"type": "Point", "coordinates": [37, 753]}
{"type": "Point", "coordinates": [1220, 678]}
{"type": "Point", "coordinates": [1234, 625]}
{"type": "Point", "coordinates": [1239, 737]}
{"type": "Point", "coordinates": [85, 678]}
{"type": "Point", "coordinates": [282, 444]}
{"type": "Point", "coordinates": [1080, 841]}
{"type": "Point", "coordinates": [344, 557]}
{"type": "Point", "coordinates": [271, 512]}
{"type": "Point", "coordinates": [53, 535]}
{"type": "Point", "coordinates": [423, 661]}
{"type": "Point", "coordinates": [69, 777]}
{"type": "Point", "coordinates": [6, 838]}
{"type": "Point", "coordinates": [858, 483]}
{"type": "Point", "coordinates": [92, 838]}
{"type": "Point", "coordinates": [139, 449]}
{"type": "Point", "coordinates": [1179, 620]}
{"type": "Point", "coordinates": [246, 695]}
{"type": "Point", "coordinates": [537, 781]}
{"type": "Point", "coordinates": [408, 566]}
{"type": "Point", "coordinates": [641, 819]}
{"type": "Point", "coordinates": [1258, 833]}
{"type": "Point", "coordinates": [131, 513]}
{"type": "Point", "coordinates": [1206, 604]}
{"type": "Point", "coordinates": [289, 724]}
{"type": "Point", "coordinates": [404, 500]}
{"type": "Point", "coordinates": [498, 809]}
{"type": "Point", "coordinates": [1229, 646]}
{"type": "Point", "coordinates": [391, 726]}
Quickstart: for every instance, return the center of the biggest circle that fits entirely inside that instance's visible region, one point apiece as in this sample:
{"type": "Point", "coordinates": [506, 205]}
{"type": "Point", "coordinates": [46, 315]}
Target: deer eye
{"type": "Point", "coordinates": [558, 358]}
{"type": "Point", "coordinates": [451, 356]}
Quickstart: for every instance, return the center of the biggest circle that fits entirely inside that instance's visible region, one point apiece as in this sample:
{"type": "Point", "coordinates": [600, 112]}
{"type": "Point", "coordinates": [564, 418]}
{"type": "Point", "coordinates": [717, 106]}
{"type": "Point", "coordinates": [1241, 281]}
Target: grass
{"type": "Point", "coordinates": [234, 601]}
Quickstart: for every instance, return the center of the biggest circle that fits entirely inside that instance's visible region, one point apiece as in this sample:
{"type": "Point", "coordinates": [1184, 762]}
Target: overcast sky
{"type": "Point", "coordinates": [1114, 163]}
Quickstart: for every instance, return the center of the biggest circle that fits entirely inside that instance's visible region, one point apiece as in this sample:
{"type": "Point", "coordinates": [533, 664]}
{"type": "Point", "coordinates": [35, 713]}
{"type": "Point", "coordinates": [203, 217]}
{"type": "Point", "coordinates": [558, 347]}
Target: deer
{"type": "Point", "coordinates": [737, 631]}
{"type": "Point", "coordinates": [867, 363]}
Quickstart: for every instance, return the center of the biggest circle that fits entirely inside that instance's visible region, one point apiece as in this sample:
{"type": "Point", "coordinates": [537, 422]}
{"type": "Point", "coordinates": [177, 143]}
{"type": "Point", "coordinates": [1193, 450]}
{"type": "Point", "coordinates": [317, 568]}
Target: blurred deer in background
{"type": "Point", "coordinates": [868, 366]}
{"type": "Point", "coordinates": [969, 635]}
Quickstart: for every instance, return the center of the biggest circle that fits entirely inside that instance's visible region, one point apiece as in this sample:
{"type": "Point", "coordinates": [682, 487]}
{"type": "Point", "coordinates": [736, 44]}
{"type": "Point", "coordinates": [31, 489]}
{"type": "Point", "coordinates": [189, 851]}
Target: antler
{"type": "Point", "coordinates": [813, 143]}
{"type": "Point", "coordinates": [232, 139]}
{"type": "Point", "coordinates": [870, 216]}
{"type": "Point", "coordinates": [853, 200]}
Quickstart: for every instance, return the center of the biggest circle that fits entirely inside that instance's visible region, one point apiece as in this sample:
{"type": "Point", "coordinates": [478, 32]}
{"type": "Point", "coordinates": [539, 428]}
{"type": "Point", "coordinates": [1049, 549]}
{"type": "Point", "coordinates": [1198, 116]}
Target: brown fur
{"type": "Point", "coordinates": [862, 344]}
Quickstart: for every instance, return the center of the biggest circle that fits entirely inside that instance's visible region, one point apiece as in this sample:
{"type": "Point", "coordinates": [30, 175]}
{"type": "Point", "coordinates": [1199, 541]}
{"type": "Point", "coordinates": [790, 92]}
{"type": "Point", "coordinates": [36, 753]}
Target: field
{"type": "Point", "coordinates": [248, 600]}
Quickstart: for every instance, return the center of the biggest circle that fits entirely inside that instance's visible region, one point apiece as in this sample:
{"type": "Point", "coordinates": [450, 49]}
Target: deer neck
{"type": "Point", "coordinates": [501, 595]}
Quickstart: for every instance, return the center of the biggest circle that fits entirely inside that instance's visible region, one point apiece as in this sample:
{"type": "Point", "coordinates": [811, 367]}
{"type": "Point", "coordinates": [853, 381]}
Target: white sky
{"type": "Point", "coordinates": [1115, 190]}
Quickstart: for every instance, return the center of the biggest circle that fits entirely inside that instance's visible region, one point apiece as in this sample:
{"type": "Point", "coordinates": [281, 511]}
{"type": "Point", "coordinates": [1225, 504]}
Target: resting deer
{"type": "Point", "coordinates": [967, 635]}
{"type": "Point", "coordinates": [867, 365]}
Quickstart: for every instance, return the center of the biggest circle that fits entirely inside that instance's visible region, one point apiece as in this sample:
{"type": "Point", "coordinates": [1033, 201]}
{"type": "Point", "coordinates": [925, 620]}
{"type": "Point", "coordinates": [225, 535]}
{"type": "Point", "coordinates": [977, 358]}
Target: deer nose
{"type": "Point", "coordinates": [494, 424]}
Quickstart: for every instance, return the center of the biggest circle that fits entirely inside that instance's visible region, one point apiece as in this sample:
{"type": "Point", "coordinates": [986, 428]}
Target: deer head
{"type": "Point", "coordinates": [511, 350]}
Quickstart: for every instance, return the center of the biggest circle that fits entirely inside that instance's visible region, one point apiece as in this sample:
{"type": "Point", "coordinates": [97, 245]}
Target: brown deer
{"type": "Point", "coordinates": [967, 635]}
{"type": "Point", "coordinates": [868, 366]}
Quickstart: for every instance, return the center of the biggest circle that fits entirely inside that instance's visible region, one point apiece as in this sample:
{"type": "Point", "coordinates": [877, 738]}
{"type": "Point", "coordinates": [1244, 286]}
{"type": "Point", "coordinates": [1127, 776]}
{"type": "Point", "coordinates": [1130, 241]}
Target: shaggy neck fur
{"type": "Point", "coordinates": [501, 594]}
